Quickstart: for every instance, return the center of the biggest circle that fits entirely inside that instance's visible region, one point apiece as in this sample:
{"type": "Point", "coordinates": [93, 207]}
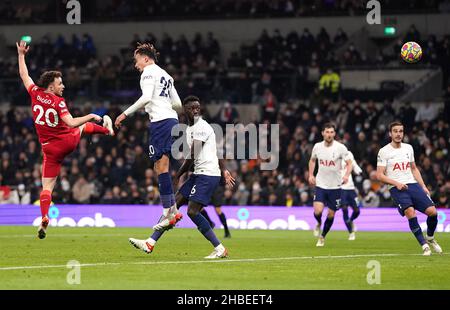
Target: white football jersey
{"type": "Point", "coordinates": [355, 168]}
{"type": "Point", "coordinates": [397, 162]}
{"type": "Point", "coordinates": [157, 84]}
{"type": "Point", "coordinates": [207, 162]}
{"type": "Point", "coordinates": [330, 160]}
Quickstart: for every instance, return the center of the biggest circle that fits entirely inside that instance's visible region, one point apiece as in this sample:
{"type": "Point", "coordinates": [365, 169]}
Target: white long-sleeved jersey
{"type": "Point", "coordinates": [159, 96]}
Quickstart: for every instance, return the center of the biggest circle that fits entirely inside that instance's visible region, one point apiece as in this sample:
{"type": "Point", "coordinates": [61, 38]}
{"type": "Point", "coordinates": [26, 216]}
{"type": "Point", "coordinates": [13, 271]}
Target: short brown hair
{"type": "Point", "coordinates": [147, 49]}
{"type": "Point", "coordinates": [395, 123]}
{"type": "Point", "coordinates": [329, 125]}
{"type": "Point", "coordinates": [48, 77]}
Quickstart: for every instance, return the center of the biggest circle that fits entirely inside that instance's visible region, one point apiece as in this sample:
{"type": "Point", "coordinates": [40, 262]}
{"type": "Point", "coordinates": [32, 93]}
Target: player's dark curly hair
{"type": "Point", "coordinates": [48, 77]}
{"type": "Point", "coordinates": [190, 99]}
{"type": "Point", "coordinates": [147, 49]}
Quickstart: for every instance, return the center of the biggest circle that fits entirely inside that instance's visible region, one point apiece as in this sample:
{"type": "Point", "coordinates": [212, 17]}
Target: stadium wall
{"type": "Point", "coordinates": [230, 33]}
{"type": "Point", "coordinates": [239, 217]}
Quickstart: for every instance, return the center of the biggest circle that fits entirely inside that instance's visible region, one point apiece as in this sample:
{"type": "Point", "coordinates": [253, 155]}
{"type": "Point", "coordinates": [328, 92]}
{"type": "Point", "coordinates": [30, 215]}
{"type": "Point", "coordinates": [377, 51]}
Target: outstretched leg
{"type": "Point", "coordinates": [92, 128]}
{"type": "Point", "coordinates": [148, 245]}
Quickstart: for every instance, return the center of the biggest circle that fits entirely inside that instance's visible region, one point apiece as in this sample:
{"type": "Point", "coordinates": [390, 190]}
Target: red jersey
{"type": "Point", "coordinates": [48, 109]}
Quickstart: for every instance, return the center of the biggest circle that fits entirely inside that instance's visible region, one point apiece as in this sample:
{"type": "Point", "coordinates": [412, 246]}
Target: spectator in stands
{"type": "Point", "coordinates": [269, 106]}
{"type": "Point", "coordinates": [227, 115]}
{"type": "Point", "coordinates": [370, 198]}
{"type": "Point", "coordinates": [340, 38]}
{"type": "Point", "coordinates": [20, 195]}
{"type": "Point", "coordinates": [413, 34]}
{"type": "Point", "coordinates": [408, 114]}
{"type": "Point", "coordinates": [82, 191]}
{"type": "Point", "coordinates": [427, 112]}
{"type": "Point", "coordinates": [329, 84]}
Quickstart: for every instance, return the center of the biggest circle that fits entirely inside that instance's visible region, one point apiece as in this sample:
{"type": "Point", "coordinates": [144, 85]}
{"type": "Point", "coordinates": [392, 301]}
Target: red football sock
{"type": "Point", "coordinates": [45, 201]}
{"type": "Point", "coordinates": [91, 128]}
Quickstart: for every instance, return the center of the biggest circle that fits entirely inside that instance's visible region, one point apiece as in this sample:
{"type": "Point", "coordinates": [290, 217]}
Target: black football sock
{"type": "Point", "coordinates": [327, 226]}
{"type": "Point", "coordinates": [432, 222]}
{"type": "Point", "coordinates": [223, 220]}
{"type": "Point", "coordinates": [347, 221]}
{"type": "Point", "coordinates": [355, 214]}
{"type": "Point", "coordinates": [318, 218]}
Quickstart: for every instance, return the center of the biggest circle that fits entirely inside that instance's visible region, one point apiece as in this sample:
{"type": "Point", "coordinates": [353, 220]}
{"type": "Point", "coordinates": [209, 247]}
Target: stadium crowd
{"type": "Point", "coordinates": [272, 68]}
{"type": "Point", "coordinates": [51, 11]}
{"type": "Point", "coordinates": [117, 170]}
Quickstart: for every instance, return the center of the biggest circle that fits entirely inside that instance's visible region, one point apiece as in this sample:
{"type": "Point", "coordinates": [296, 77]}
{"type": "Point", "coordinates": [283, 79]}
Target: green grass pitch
{"type": "Point", "coordinates": [258, 260]}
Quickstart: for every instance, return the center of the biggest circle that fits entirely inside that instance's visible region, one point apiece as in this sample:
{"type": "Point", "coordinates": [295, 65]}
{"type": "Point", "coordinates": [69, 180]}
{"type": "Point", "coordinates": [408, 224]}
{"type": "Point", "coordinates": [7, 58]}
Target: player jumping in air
{"type": "Point", "coordinates": [59, 133]}
{"type": "Point", "coordinates": [200, 186]}
{"type": "Point", "coordinates": [160, 98]}
{"type": "Point", "coordinates": [396, 167]}
{"type": "Point", "coordinates": [330, 155]}
{"type": "Point", "coordinates": [349, 197]}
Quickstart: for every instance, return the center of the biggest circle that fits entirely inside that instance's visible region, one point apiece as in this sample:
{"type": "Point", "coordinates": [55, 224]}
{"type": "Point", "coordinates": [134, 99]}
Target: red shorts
{"type": "Point", "coordinates": [56, 150]}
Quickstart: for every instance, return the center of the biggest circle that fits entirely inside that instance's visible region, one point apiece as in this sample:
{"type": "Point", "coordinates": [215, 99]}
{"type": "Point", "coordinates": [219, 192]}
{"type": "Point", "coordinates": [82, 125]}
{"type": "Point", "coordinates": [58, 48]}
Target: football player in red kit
{"type": "Point", "coordinates": [59, 133]}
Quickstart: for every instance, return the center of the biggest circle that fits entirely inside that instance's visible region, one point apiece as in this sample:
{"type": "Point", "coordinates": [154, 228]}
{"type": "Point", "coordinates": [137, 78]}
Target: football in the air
{"type": "Point", "coordinates": [411, 52]}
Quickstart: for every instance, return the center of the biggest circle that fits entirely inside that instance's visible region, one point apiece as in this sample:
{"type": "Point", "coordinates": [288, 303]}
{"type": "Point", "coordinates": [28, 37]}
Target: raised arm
{"type": "Point", "coordinates": [176, 101]}
{"type": "Point", "coordinates": [22, 49]}
{"type": "Point", "coordinates": [148, 87]}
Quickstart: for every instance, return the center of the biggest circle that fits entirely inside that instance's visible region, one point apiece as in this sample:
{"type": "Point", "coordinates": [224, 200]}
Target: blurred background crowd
{"type": "Point", "coordinates": [117, 170]}
{"type": "Point", "coordinates": [292, 78]}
